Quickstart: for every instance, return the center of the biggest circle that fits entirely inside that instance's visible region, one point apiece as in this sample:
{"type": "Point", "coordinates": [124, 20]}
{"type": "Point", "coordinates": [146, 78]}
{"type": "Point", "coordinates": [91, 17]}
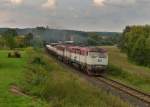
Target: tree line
{"type": "Point", "coordinates": [10, 39]}
{"type": "Point", "coordinates": [95, 39]}
{"type": "Point", "coordinates": [135, 41]}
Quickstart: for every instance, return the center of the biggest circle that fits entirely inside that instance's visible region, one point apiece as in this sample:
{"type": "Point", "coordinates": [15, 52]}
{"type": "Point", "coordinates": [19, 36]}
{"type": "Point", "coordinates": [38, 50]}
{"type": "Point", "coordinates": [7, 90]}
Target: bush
{"type": "Point", "coordinates": [36, 74]}
{"type": "Point", "coordinates": [35, 77]}
{"type": "Point", "coordinates": [14, 54]}
{"type": "Point", "coordinates": [118, 72]}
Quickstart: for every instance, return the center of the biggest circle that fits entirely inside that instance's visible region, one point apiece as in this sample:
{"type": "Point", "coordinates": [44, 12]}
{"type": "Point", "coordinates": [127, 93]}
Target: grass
{"type": "Point", "coordinates": [11, 71]}
{"type": "Point", "coordinates": [63, 88]}
{"type": "Point", "coordinates": [128, 72]}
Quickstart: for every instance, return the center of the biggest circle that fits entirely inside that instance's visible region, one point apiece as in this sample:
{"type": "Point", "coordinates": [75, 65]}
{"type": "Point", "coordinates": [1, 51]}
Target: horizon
{"type": "Point", "coordinates": [57, 29]}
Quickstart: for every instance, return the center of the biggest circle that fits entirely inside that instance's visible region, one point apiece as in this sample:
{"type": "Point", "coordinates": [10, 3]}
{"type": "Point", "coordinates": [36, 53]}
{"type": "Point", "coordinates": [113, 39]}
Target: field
{"type": "Point", "coordinates": [128, 72]}
{"type": "Point", "coordinates": [65, 88]}
{"type": "Point", "coordinates": [11, 71]}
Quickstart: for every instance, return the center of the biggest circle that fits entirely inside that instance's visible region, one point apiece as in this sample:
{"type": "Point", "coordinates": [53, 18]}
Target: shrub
{"type": "Point", "coordinates": [14, 54]}
{"type": "Point", "coordinates": [116, 71]}
{"type": "Point", "coordinates": [36, 74]}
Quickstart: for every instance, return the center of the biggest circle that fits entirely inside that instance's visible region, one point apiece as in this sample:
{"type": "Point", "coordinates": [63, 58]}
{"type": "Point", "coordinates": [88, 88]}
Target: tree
{"type": "Point", "coordinates": [20, 41]}
{"type": "Point", "coordinates": [136, 43]}
{"type": "Point", "coordinates": [9, 37]}
{"type": "Point", "coordinates": [41, 28]}
{"type": "Point", "coordinates": [93, 39]}
{"type": "Point", "coordinates": [2, 42]}
{"type": "Point", "coordinates": [29, 39]}
{"type": "Point", "coordinates": [147, 51]}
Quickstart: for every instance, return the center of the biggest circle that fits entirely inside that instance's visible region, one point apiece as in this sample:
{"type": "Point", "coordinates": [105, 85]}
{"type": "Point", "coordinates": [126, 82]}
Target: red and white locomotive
{"type": "Point", "coordinates": [91, 60]}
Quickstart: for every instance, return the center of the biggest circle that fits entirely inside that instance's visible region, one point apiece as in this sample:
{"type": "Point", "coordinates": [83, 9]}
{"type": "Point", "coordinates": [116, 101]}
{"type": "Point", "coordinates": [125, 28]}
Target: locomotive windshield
{"type": "Point", "coordinates": [97, 54]}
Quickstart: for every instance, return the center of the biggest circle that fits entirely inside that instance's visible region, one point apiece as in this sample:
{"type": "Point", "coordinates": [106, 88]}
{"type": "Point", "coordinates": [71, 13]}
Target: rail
{"type": "Point", "coordinates": [126, 89]}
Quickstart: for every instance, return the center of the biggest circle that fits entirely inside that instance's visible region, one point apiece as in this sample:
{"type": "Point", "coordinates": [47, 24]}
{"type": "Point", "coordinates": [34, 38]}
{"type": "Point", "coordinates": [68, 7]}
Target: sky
{"type": "Point", "coordinates": [85, 15]}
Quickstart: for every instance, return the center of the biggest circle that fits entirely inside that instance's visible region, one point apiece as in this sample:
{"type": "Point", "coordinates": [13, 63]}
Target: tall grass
{"type": "Point", "coordinates": [61, 88]}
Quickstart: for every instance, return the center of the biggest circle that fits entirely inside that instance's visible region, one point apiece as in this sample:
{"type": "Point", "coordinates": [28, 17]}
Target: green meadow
{"type": "Point", "coordinates": [11, 71]}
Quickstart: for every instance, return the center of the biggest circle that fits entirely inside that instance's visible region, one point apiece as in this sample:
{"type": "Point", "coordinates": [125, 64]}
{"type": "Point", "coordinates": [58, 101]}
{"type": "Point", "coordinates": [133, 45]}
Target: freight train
{"type": "Point", "coordinates": [91, 60]}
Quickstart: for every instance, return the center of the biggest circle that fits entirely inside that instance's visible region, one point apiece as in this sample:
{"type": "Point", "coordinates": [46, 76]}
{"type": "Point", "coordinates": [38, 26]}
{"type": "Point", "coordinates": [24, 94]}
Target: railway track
{"type": "Point", "coordinates": [126, 89]}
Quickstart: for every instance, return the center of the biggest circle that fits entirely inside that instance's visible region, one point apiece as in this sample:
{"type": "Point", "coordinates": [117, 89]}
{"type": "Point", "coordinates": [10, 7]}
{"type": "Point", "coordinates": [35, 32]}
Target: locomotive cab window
{"type": "Point", "coordinates": [97, 54]}
{"type": "Point", "coordinates": [93, 54]}
{"type": "Point", "coordinates": [102, 55]}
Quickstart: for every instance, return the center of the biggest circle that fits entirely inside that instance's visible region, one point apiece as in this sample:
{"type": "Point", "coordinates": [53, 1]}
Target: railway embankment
{"type": "Point", "coordinates": [49, 80]}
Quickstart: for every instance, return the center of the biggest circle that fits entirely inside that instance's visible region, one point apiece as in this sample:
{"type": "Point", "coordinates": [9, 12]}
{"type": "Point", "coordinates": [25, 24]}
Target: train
{"type": "Point", "coordinates": [91, 60]}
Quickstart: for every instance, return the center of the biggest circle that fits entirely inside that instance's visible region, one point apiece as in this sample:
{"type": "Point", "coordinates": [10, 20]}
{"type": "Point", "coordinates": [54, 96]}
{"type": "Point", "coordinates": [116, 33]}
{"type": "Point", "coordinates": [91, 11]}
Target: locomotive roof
{"type": "Point", "coordinates": [87, 49]}
{"type": "Point", "coordinates": [84, 49]}
{"type": "Point", "coordinates": [93, 49]}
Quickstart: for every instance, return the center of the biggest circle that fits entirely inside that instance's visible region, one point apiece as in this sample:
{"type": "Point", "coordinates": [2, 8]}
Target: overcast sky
{"type": "Point", "coordinates": [86, 15]}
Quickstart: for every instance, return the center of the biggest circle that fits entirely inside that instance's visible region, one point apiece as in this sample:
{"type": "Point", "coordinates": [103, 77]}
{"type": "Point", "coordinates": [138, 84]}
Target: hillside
{"type": "Point", "coordinates": [55, 35]}
{"type": "Point", "coordinates": [52, 34]}
{"type": "Point", "coordinates": [109, 34]}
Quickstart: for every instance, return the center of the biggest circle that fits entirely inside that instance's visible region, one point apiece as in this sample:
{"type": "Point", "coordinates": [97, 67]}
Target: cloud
{"type": "Point", "coordinates": [98, 2]}
{"type": "Point", "coordinates": [3, 14]}
{"type": "Point", "coordinates": [120, 2]}
{"type": "Point", "coordinates": [114, 2]}
{"type": "Point", "coordinates": [16, 1]}
{"type": "Point", "coordinates": [111, 15]}
{"type": "Point", "coordinates": [49, 4]}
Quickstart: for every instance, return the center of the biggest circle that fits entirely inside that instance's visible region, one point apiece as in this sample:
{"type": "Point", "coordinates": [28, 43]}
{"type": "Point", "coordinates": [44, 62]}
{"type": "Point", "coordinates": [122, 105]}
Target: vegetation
{"type": "Point", "coordinates": [60, 87]}
{"type": "Point", "coordinates": [93, 39]}
{"type": "Point", "coordinates": [50, 84]}
{"type": "Point", "coordinates": [54, 35]}
{"type": "Point", "coordinates": [102, 39]}
{"type": "Point", "coordinates": [123, 70]}
{"type": "Point", "coordinates": [10, 39]}
{"type": "Point", "coordinates": [11, 72]}
{"type": "Point", "coordinates": [136, 43]}
{"type": "Point", "coordinates": [28, 39]}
